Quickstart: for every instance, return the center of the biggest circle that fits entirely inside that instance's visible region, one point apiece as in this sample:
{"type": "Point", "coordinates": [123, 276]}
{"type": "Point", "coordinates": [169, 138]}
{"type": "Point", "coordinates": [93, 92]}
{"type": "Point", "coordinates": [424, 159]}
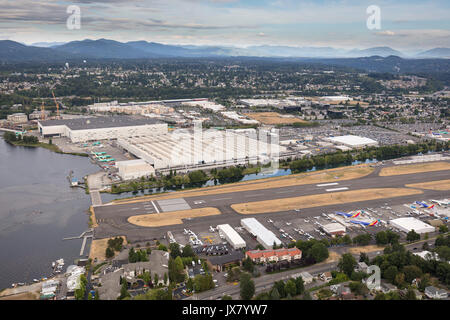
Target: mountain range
{"type": "Point", "coordinates": [11, 51]}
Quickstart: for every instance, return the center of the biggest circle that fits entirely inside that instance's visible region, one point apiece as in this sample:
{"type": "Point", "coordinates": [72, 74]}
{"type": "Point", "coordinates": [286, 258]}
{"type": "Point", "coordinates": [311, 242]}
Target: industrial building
{"type": "Point", "coordinates": [354, 142]}
{"type": "Point", "coordinates": [17, 118]}
{"type": "Point", "coordinates": [409, 223]}
{"type": "Point", "coordinates": [134, 169]}
{"type": "Point", "coordinates": [101, 128]}
{"type": "Point", "coordinates": [334, 229]}
{"type": "Point", "coordinates": [183, 150]}
{"type": "Point", "coordinates": [233, 238]}
{"type": "Point", "coordinates": [263, 235]}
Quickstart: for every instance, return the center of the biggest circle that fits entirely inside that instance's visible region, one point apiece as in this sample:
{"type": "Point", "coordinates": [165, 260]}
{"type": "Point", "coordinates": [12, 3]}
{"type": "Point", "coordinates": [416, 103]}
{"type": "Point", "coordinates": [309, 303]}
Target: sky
{"type": "Point", "coordinates": [404, 25]}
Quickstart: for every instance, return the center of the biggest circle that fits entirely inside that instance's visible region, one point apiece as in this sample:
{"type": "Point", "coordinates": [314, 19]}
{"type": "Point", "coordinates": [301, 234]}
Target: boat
{"type": "Point", "coordinates": [35, 280]}
{"type": "Point", "coordinates": [53, 264]}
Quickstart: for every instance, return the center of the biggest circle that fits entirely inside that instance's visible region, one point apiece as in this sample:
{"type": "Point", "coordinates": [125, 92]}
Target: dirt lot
{"type": "Point", "coordinates": [331, 175]}
{"type": "Point", "coordinates": [98, 248]}
{"type": "Point", "coordinates": [365, 249]}
{"type": "Point", "coordinates": [272, 118]}
{"type": "Point", "coordinates": [414, 168]}
{"type": "Point", "coordinates": [171, 218]}
{"type": "Point", "coordinates": [319, 200]}
{"type": "Point", "coordinates": [442, 185]}
{"type": "Point", "coordinates": [22, 296]}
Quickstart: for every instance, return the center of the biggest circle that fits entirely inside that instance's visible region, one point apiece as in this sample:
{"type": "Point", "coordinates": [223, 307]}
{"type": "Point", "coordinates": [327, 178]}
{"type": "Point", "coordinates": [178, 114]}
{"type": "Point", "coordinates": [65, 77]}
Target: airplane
{"type": "Point", "coordinates": [270, 221]}
{"type": "Point", "coordinates": [363, 223]}
{"type": "Point", "coordinates": [288, 223]}
{"type": "Point", "coordinates": [211, 229]}
{"type": "Point", "coordinates": [441, 203]}
{"type": "Point", "coordinates": [423, 204]}
{"type": "Point", "coordinates": [348, 215]}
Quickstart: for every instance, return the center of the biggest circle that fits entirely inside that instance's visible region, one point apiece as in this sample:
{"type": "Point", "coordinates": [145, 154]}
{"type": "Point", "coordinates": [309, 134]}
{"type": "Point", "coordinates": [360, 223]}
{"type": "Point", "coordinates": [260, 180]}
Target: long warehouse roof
{"type": "Point", "coordinates": [100, 122]}
{"type": "Point", "coordinates": [260, 231]}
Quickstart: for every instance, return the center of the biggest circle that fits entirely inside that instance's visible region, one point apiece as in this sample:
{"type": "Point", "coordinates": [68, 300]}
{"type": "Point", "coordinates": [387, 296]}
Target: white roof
{"type": "Point", "coordinates": [265, 235]}
{"type": "Point", "coordinates": [409, 223]}
{"type": "Point", "coordinates": [353, 140]}
{"type": "Point", "coordinates": [232, 235]}
{"type": "Point", "coordinates": [333, 227]}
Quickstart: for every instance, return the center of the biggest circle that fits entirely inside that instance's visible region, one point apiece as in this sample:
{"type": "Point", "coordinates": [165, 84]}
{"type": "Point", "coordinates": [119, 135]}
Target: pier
{"type": "Point", "coordinates": [85, 235]}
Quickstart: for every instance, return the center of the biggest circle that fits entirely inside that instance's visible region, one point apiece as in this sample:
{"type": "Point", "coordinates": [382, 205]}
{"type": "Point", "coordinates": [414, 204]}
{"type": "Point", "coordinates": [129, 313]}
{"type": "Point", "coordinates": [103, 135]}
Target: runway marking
{"type": "Point", "coordinates": [155, 207]}
{"type": "Point", "coordinates": [135, 208]}
{"type": "Point", "coordinates": [327, 184]}
{"type": "Point", "coordinates": [286, 191]}
{"type": "Point", "coordinates": [336, 189]}
{"type": "Point", "coordinates": [222, 199]}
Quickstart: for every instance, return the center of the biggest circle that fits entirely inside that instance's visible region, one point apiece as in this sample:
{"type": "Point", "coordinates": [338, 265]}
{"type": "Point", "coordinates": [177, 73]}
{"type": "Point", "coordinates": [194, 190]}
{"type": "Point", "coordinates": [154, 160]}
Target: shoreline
{"type": "Point", "coordinates": [51, 147]}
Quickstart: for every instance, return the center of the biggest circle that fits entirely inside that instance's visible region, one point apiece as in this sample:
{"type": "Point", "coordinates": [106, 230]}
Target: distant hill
{"type": "Point", "coordinates": [376, 51]}
{"type": "Point", "coordinates": [435, 53]}
{"type": "Point", "coordinates": [11, 51]}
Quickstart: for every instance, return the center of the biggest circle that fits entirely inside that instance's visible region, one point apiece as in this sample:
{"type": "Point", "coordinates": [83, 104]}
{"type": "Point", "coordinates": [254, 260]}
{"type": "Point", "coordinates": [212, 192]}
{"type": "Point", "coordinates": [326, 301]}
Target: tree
{"type": "Point", "coordinates": [274, 294]}
{"type": "Point", "coordinates": [156, 279]}
{"type": "Point", "coordinates": [300, 285]}
{"type": "Point", "coordinates": [307, 296]}
{"type": "Point", "coordinates": [109, 253]}
{"type": "Point", "coordinates": [347, 264]}
{"type": "Point", "coordinates": [248, 265]}
{"type": "Point", "coordinates": [174, 249]}
{"type": "Point", "coordinates": [290, 287]}
{"type": "Point", "coordinates": [190, 284]}
{"type": "Point", "coordinates": [412, 272]}
{"type": "Point", "coordinates": [226, 297]}
{"type": "Point", "coordinates": [363, 257]}
{"type": "Point", "coordinates": [443, 228]}
{"type": "Point", "coordinates": [247, 287]}
{"type": "Point", "coordinates": [188, 252]}
{"type": "Point", "coordinates": [412, 236]}
{"type": "Point", "coordinates": [381, 238]}
{"type": "Point", "coordinates": [399, 279]}
{"type": "Point", "coordinates": [90, 296]}
{"type": "Point", "coordinates": [124, 290]}
{"type": "Point", "coordinates": [390, 273]}
{"type": "Point", "coordinates": [97, 296]}
{"type": "Point", "coordinates": [319, 252]}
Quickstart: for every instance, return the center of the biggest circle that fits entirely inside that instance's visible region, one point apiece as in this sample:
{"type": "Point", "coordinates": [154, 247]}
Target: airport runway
{"type": "Point", "coordinates": [112, 219]}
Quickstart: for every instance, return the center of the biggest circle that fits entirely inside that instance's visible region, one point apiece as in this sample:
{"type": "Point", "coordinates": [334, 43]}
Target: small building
{"type": "Point", "coordinates": [265, 256]}
{"type": "Point", "coordinates": [435, 293]}
{"type": "Point", "coordinates": [17, 118]}
{"type": "Point", "coordinates": [361, 267]}
{"type": "Point", "coordinates": [334, 229]}
{"type": "Point", "coordinates": [134, 169]}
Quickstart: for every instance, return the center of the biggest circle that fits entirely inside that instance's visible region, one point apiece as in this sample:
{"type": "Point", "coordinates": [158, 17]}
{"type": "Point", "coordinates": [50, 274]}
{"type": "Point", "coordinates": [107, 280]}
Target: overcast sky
{"type": "Point", "coordinates": [405, 25]}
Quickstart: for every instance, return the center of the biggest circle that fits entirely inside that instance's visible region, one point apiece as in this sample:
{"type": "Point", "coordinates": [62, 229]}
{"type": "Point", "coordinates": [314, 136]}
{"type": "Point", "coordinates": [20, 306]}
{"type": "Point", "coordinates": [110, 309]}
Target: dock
{"type": "Point", "coordinates": [85, 235]}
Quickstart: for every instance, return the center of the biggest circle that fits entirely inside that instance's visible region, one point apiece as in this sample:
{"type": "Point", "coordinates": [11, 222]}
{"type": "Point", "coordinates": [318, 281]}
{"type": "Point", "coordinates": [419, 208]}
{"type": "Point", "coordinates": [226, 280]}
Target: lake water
{"type": "Point", "coordinates": [37, 210]}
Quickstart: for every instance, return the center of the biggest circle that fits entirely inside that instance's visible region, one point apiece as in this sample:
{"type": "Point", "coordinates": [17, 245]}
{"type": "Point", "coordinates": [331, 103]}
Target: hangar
{"type": "Point", "coordinates": [409, 223]}
{"type": "Point", "coordinates": [263, 235]}
{"type": "Point", "coordinates": [352, 141]}
{"type": "Point", "coordinates": [233, 238]}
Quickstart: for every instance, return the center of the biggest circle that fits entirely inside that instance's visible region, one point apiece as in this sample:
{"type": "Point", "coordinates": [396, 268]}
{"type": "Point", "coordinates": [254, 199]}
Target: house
{"type": "Point", "coordinates": [387, 287]}
{"type": "Point", "coordinates": [361, 267]}
{"type": "Point", "coordinates": [222, 262]}
{"type": "Point", "coordinates": [278, 255]}
{"type": "Point", "coordinates": [110, 285]}
{"type": "Point", "coordinates": [157, 264]}
{"type": "Point", "coordinates": [435, 293]}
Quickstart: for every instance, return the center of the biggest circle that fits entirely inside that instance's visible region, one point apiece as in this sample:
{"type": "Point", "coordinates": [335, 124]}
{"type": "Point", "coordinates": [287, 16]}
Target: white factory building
{"type": "Point", "coordinates": [263, 235]}
{"type": "Point", "coordinates": [134, 169]}
{"type": "Point", "coordinates": [334, 229]}
{"type": "Point", "coordinates": [183, 150]}
{"type": "Point", "coordinates": [233, 238]}
{"type": "Point", "coordinates": [409, 223]}
{"type": "Point", "coordinates": [101, 128]}
{"type": "Point", "coordinates": [354, 142]}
